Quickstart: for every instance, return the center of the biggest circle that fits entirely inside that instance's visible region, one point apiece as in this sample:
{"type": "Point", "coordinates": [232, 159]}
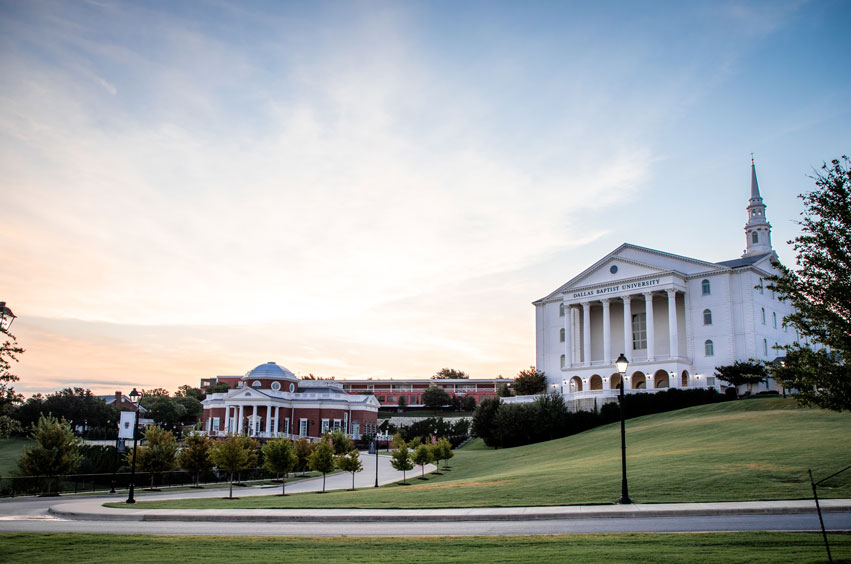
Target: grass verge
{"type": "Point", "coordinates": [10, 452]}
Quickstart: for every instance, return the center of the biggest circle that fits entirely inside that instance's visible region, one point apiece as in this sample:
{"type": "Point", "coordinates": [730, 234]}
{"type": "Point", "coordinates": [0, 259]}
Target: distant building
{"type": "Point", "coordinates": [270, 401]}
{"type": "Point", "coordinates": [388, 391]}
{"type": "Point", "coordinates": [675, 318]}
{"type": "Point", "coordinates": [122, 402]}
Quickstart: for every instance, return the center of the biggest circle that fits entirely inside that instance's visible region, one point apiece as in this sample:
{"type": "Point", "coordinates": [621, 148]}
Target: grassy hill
{"type": "Point", "coordinates": [743, 450]}
{"type": "Point", "coordinates": [10, 452]}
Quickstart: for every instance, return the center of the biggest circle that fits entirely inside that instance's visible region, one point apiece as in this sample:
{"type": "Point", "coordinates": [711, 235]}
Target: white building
{"type": "Point", "coordinates": [675, 318]}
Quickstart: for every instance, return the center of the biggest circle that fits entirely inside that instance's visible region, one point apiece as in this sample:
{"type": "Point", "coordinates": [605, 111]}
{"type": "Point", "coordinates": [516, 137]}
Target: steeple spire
{"type": "Point", "coordinates": [757, 229]}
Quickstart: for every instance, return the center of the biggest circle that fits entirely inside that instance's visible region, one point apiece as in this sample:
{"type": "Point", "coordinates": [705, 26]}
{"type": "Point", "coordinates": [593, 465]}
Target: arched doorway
{"type": "Point", "coordinates": [639, 381]}
{"type": "Point", "coordinates": [615, 380]}
{"type": "Point", "coordinates": [576, 384]}
{"type": "Point", "coordinates": [596, 383]}
{"type": "Point", "coordinates": [660, 379]}
{"type": "Point", "coordinates": [685, 379]}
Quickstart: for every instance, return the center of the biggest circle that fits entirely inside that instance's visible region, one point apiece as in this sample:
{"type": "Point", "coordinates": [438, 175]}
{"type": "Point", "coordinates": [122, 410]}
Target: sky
{"type": "Point", "coordinates": [379, 189]}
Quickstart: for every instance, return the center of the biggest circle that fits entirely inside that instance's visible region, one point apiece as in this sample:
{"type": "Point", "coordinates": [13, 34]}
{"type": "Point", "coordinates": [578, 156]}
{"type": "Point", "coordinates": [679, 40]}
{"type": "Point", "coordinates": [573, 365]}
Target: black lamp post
{"type": "Point", "coordinates": [6, 317]}
{"type": "Point", "coordinates": [375, 441]}
{"type": "Point", "coordinates": [134, 397]}
{"type": "Point", "coordinates": [622, 363]}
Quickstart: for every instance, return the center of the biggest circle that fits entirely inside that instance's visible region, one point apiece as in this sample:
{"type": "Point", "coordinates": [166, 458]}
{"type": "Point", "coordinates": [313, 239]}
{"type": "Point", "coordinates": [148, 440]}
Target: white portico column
{"type": "Point", "coordinates": [586, 333]}
{"type": "Point", "coordinates": [672, 323]}
{"type": "Point", "coordinates": [568, 336]}
{"type": "Point", "coordinates": [651, 340]}
{"type": "Point", "coordinates": [607, 333]}
{"type": "Point", "coordinates": [269, 420]}
{"type": "Point", "coordinates": [239, 423]}
{"type": "Point", "coordinates": [227, 419]}
{"type": "Point", "coordinates": [627, 325]}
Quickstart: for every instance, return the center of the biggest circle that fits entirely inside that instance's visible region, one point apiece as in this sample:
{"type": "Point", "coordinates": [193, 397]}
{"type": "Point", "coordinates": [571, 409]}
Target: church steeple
{"type": "Point", "coordinates": [757, 229]}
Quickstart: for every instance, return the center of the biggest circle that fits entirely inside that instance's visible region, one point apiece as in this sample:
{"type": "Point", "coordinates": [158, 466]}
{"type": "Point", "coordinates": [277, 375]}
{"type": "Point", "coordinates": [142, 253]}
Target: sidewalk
{"type": "Point", "coordinates": [94, 511]}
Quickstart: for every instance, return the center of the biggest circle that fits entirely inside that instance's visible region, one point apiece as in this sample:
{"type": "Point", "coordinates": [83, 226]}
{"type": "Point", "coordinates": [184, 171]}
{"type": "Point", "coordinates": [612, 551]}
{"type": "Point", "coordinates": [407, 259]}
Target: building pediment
{"type": "Point", "coordinates": [246, 394]}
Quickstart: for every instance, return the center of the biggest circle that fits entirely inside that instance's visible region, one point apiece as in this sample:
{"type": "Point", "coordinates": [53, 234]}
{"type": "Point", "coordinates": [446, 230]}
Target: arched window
{"type": "Point", "coordinates": [561, 310]}
{"type": "Point", "coordinates": [705, 287]}
{"type": "Point", "coordinates": [765, 347]}
{"type": "Point", "coordinates": [754, 238]}
{"type": "Point", "coordinates": [763, 316]}
{"type": "Point", "coordinates": [561, 334]}
{"type": "Point", "coordinates": [707, 317]}
{"type": "Point", "coordinates": [774, 318]}
{"type": "Point", "coordinates": [255, 384]}
{"type": "Point", "coordinates": [709, 348]}
{"type": "Point", "coordinates": [761, 287]}
{"type": "Point", "coordinates": [563, 360]}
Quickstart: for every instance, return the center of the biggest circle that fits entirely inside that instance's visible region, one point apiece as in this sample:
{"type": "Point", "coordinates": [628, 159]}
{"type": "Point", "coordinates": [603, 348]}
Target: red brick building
{"type": "Point", "coordinates": [270, 401]}
{"type": "Point", "coordinates": [387, 392]}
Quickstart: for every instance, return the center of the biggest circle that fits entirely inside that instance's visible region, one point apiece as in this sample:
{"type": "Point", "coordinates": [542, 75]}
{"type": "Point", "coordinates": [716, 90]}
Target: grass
{"type": "Point", "coordinates": [10, 452]}
{"type": "Point", "coordinates": [694, 548]}
{"type": "Point", "coordinates": [733, 451]}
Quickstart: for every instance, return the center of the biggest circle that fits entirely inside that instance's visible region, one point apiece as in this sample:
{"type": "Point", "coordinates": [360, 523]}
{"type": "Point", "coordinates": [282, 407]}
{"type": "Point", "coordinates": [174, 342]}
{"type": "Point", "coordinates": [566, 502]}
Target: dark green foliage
{"type": "Point", "coordinates": [186, 391]}
{"type": "Point", "coordinates": [279, 457]}
{"type": "Point", "coordinates": [96, 459]}
{"type": "Point", "coordinates": [820, 291]}
{"type": "Point", "coordinates": [503, 391]}
{"type": "Point", "coordinates": [483, 419]}
{"type": "Point", "coordinates": [322, 460]}
{"type": "Point", "coordinates": [341, 441]}
{"type": "Point", "coordinates": [435, 397]}
{"type": "Point", "coordinates": [158, 454]}
{"type": "Point", "coordinates": [423, 455]}
{"type": "Point", "coordinates": [743, 373]}
{"type": "Point", "coordinates": [636, 405]}
{"type": "Point", "coordinates": [468, 403]}
{"type": "Point", "coordinates": [303, 448]}
{"type": "Point", "coordinates": [55, 452]}
{"type": "Point", "coordinates": [449, 373]}
{"type": "Point", "coordinates": [9, 427]}
{"type": "Point", "coordinates": [402, 404]}
{"type": "Point", "coordinates": [424, 429]}
{"type": "Point", "coordinates": [9, 352]}
{"type": "Point", "coordinates": [350, 462]}
{"type": "Point", "coordinates": [217, 388]}
{"type": "Point", "coordinates": [401, 460]}
{"type": "Point", "coordinates": [78, 406]}
{"type": "Point", "coordinates": [529, 382]}
{"type": "Point", "coordinates": [235, 454]}
{"type": "Point", "coordinates": [194, 457]}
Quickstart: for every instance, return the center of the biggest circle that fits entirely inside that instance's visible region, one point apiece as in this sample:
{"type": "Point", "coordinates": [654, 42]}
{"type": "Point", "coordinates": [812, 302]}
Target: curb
{"type": "Point", "coordinates": [94, 512]}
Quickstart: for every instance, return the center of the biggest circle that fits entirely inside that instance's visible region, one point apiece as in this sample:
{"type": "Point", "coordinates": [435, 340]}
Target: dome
{"type": "Point", "coordinates": [270, 370]}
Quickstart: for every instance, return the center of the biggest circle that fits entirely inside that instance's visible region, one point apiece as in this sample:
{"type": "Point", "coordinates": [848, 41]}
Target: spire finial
{"type": "Point", "coordinates": [752, 159]}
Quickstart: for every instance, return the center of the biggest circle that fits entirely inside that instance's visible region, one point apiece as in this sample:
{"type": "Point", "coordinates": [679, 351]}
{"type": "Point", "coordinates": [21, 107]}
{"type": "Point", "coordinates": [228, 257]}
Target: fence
{"type": "Point", "coordinates": [78, 483]}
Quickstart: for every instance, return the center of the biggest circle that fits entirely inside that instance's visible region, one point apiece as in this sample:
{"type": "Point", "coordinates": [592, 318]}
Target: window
{"type": "Point", "coordinates": [255, 384]}
{"type": "Point", "coordinates": [639, 331]}
{"type": "Point", "coordinates": [761, 287]}
{"type": "Point", "coordinates": [763, 316]}
{"type": "Point", "coordinates": [708, 348]}
{"type": "Point", "coordinates": [705, 287]}
{"type": "Point", "coordinates": [774, 318]}
{"type": "Point", "coordinates": [302, 427]}
{"type": "Point", "coordinates": [276, 386]}
{"type": "Point", "coordinates": [754, 238]}
{"type": "Point", "coordinates": [561, 310]}
{"type": "Point", "coordinates": [765, 347]}
{"type": "Point", "coordinates": [563, 361]}
{"type": "Point", "coordinates": [707, 317]}
{"type": "Point", "coordinates": [325, 424]}
{"type": "Point", "coordinates": [561, 335]}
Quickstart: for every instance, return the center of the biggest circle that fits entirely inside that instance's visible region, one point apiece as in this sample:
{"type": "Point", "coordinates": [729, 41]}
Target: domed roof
{"type": "Point", "coordinates": [270, 370]}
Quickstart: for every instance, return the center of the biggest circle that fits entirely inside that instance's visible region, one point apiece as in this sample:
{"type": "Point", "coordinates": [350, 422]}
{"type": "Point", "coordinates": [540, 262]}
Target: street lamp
{"type": "Point", "coordinates": [134, 397]}
{"type": "Point", "coordinates": [6, 317]}
{"type": "Point", "coordinates": [622, 363]}
{"type": "Point", "coordinates": [375, 442]}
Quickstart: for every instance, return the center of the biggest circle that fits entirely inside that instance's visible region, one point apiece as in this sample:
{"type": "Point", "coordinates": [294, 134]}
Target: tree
{"type": "Point", "coordinates": [192, 408]}
{"type": "Point", "coordinates": [403, 404]}
{"type": "Point", "coordinates": [468, 403]}
{"type": "Point", "coordinates": [435, 397]}
{"type": "Point", "coordinates": [9, 426]}
{"type": "Point", "coordinates": [159, 454]}
{"type": "Point", "coordinates": [743, 373]}
{"type": "Point", "coordinates": [56, 451]}
{"type": "Point", "coordinates": [9, 352]}
{"type": "Point", "coordinates": [820, 291]}
{"type": "Point", "coordinates": [450, 373]}
{"type": "Point", "coordinates": [217, 388]}
{"type": "Point", "coordinates": [165, 411]}
{"type": "Point", "coordinates": [401, 460]}
{"type": "Point", "coordinates": [422, 456]}
{"type": "Point", "coordinates": [303, 449]}
{"type": "Point", "coordinates": [235, 454]}
{"type": "Point", "coordinates": [350, 462]}
{"type": "Point", "coordinates": [322, 460]}
{"type": "Point", "coordinates": [483, 419]}
{"type": "Point", "coordinates": [187, 391]}
{"type": "Point", "coordinates": [195, 455]}
{"type": "Point", "coordinates": [443, 451]}
{"type": "Point", "coordinates": [503, 391]}
{"type": "Point", "coordinates": [340, 441]}
{"type": "Point", "coordinates": [530, 382]}
{"type": "Point", "coordinates": [78, 406]}
{"type": "Point", "coordinates": [280, 458]}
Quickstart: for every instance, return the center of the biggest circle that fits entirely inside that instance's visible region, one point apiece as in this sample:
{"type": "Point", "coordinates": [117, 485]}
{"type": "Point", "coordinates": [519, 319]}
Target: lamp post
{"type": "Point", "coordinates": [134, 397]}
{"type": "Point", "coordinates": [622, 363]}
{"type": "Point", "coordinates": [375, 441]}
{"type": "Point", "coordinates": [6, 317]}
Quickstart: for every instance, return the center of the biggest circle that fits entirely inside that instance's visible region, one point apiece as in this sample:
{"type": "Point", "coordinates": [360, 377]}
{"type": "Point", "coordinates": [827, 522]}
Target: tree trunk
{"type": "Point", "coordinates": [353, 481]}
{"type": "Point", "coordinates": [152, 481]}
{"type": "Point", "coordinates": [323, 482]}
{"type": "Point", "coordinates": [230, 495]}
{"type": "Point", "coordinates": [284, 486]}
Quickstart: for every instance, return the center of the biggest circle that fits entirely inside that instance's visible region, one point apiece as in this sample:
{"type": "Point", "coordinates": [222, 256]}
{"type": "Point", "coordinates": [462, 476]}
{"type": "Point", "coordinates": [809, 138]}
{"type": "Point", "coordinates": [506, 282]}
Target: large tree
{"type": "Point", "coordinates": [820, 291]}
{"type": "Point", "coordinates": [56, 451]}
{"type": "Point", "coordinates": [743, 373]}
{"type": "Point", "coordinates": [159, 454]}
{"type": "Point", "coordinates": [529, 382]}
{"type": "Point", "coordinates": [435, 397]}
{"type": "Point", "coordinates": [78, 406]}
{"type": "Point", "coordinates": [9, 352]}
{"type": "Point", "coordinates": [449, 373]}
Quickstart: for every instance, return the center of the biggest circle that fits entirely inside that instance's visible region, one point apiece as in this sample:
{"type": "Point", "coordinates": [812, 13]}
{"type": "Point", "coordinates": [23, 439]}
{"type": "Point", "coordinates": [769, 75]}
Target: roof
{"type": "Point", "coordinates": [270, 370]}
{"type": "Point", "coordinates": [744, 261]}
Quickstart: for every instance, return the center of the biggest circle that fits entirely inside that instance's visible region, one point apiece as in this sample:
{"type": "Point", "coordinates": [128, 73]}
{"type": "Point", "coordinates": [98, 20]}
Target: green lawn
{"type": "Point", "coordinates": [744, 450]}
{"type": "Point", "coordinates": [732, 548]}
{"type": "Point", "coordinates": [10, 452]}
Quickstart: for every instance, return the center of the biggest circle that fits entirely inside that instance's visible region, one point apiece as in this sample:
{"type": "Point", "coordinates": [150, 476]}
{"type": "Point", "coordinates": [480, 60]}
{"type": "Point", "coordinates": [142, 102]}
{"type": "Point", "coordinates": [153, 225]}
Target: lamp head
{"type": "Point", "coordinates": [135, 396]}
{"type": "Point", "coordinates": [622, 363]}
{"type": "Point", "coordinates": [6, 317]}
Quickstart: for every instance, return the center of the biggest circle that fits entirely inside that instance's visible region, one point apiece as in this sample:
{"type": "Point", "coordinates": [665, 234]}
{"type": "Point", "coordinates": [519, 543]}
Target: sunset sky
{"type": "Point", "coordinates": [371, 189]}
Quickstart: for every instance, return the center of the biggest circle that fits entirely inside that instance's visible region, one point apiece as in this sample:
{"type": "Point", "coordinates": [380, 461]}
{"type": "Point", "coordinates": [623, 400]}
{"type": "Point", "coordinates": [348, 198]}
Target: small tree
{"type": "Point", "coordinates": [159, 454]}
{"type": "Point", "coordinates": [402, 404]}
{"type": "Point", "coordinates": [449, 374]}
{"type": "Point", "coordinates": [503, 391]}
{"type": "Point", "coordinates": [9, 426]}
{"type": "Point", "coordinates": [235, 454]}
{"type": "Point", "coordinates": [303, 448]}
{"type": "Point", "coordinates": [743, 373]}
{"type": "Point", "coordinates": [422, 456]}
{"type": "Point", "coordinates": [435, 397]}
{"type": "Point", "coordinates": [443, 451]}
{"type": "Point", "coordinates": [341, 441]}
{"type": "Point", "coordinates": [55, 452]}
{"type": "Point", "coordinates": [350, 463]}
{"type": "Point", "coordinates": [401, 460]}
{"type": "Point", "coordinates": [280, 458]}
{"type": "Point", "coordinates": [530, 382]}
{"type": "Point", "coordinates": [322, 460]}
{"type": "Point", "coordinates": [195, 455]}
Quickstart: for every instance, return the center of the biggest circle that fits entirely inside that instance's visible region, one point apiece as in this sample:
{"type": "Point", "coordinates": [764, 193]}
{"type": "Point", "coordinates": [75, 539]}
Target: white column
{"type": "Point", "coordinates": [239, 423]}
{"type": "Point", "coordinates": [586, 332]}
{"type": "Point", "coordinates": [568, 336]}
{"type": "Point", "coordinates": [574, 341]}
{"type": "Point", "coordinates": [672, 323]}
{"type": "Point", "coordinates": [227, 419]}
{"type": "Point", "coordinates": [269, 420]}
{"type": "Point", "coordinates": [277, 419]}
{"type": "Point", "coordinates": [627, 326]}
{"type": "Point", "coordinates": [607, 333]}
{"type": "Point", "coordinates": [651, 340]}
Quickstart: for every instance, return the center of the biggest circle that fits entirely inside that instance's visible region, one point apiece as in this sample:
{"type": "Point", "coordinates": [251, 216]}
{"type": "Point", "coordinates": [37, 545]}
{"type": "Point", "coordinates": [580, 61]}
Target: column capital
{"type": "Point", "coordinates": [626, 299]}
{"type": "Point", "coordinates": [605, 300]}
{"type": "Point", "coordinates": [647, 294]}
{"type": "Point", "coordinates": [671, 291]}
{"type": "Point", "coordinates": [586, 304]}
